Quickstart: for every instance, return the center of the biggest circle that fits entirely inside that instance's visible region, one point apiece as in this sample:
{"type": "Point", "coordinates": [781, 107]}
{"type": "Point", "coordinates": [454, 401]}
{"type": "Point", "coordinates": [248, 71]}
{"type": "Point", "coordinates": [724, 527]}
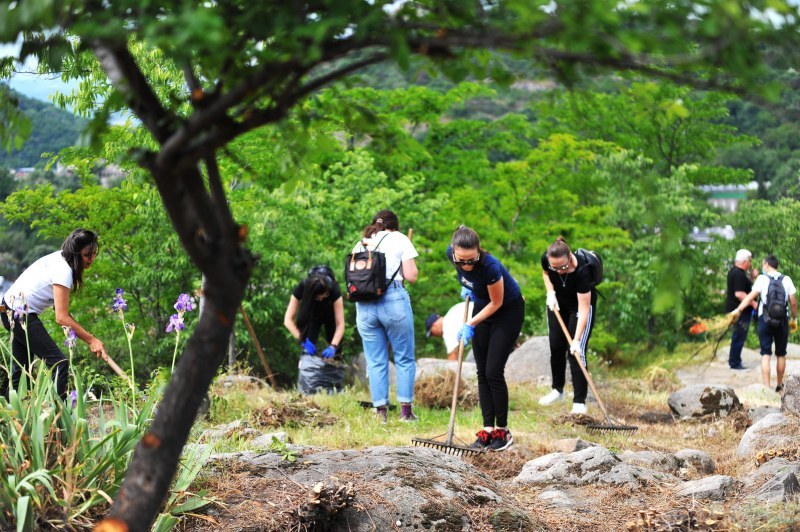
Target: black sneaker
{"type": "Point", "coordinates": [779, 388]}
{"type": "Point", "coordinates": [483, 441]}
{"type": "Point", "coordinates": [501, 440]}
{"type": "Point", "coordinates": [739, 367]}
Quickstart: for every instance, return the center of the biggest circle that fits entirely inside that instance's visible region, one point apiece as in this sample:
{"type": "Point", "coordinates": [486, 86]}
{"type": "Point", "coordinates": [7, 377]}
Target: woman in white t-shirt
{"type": "Point", "coordinates": [48, 283]}
{"type": "Point", "coordinates": [389, 320]}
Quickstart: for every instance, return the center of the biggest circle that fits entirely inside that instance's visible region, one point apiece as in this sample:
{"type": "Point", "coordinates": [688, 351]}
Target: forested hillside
{"type": "Point", "coordinates": [52, 129]}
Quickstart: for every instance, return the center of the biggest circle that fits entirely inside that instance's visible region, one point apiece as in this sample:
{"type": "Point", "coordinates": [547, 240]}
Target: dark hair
{"type": "Point", "coordinates": [315, 285]}
{"type": "Point", "coordinates": [71, 251]}
{"type": "Point", "coordinates": [772, 260]}
{"type": "Point", "coordinates": [559, 248]}
{"type": "Point", "coordinates": [466, 238]}
{"type": "Point", "coordinates": [385, 219]}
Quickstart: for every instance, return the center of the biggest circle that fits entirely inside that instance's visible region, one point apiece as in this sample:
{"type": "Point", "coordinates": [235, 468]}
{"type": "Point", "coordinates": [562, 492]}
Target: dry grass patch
{"type": "Point", "coordinates": [503, 465]}
{"type": "Point", "coordinates": [292, 412]}
{"type": "Point", "coordinates": [436, 391]}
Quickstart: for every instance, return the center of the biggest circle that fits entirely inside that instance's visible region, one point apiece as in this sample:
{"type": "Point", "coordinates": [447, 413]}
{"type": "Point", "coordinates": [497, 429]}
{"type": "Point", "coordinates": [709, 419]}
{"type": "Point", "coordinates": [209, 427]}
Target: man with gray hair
{"type": "Point", "coordinates": [739, 285]}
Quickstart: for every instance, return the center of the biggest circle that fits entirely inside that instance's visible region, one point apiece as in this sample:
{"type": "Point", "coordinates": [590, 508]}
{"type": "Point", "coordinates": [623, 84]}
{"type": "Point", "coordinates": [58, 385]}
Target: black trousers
{"type": "Point", "coordinates": [41, 345]}
{"type": "Point", "coordinates": [491, 346]}
{"type": "Point", "coordinates": [559, 351]}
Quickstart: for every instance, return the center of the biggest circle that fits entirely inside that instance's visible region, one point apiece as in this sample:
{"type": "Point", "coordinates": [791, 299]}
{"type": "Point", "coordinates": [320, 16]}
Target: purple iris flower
{"type": "Point", "coordinates": [119, 303]}
{"type": "Point", "coordinates": [175, 323]}
{"type": "Point", "coordinates": [184, 303]}
{"type": "Point", "coordinates": [72, 339]}
{"type": "Point", "coordinates": [20, 311]}
{"type": "Point", "coordinates": [73, 398]}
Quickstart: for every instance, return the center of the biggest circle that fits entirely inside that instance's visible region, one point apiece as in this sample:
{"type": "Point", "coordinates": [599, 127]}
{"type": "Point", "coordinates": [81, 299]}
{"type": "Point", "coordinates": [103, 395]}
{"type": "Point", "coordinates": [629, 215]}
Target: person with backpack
{"type": "Point", "coordinates": [777, 296]}
{"type": "Point", "coordinates": [493, 328]}
{"type": "Point", "coordinates": [316, 302]}
{"type": "Point", "coordinates": [386, 317]}
{"type": "Point", "coordinates": [570, 280]}
{"type": "Point", "coordinates": [48, 282]}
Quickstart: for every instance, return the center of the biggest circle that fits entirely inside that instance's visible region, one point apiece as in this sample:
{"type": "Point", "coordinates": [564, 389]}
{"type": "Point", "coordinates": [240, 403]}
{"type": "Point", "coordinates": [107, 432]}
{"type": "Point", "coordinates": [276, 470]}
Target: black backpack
{"type": "Point", "coordinates": [775, 307]}
{"type": "Point", "coordinates": [365, 274]}
{"type": "Point", "coordinates": [594, 263]}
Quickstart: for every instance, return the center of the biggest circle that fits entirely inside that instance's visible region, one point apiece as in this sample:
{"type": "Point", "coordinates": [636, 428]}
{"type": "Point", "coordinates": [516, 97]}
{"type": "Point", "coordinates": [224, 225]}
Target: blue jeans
{"type": "Point", "coordinates": [738, 338]}
{"type": "Point", "coordinates": [388, 320]}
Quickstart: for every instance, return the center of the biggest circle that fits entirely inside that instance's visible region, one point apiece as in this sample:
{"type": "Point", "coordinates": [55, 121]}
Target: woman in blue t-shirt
{"type": "Point", "coordinates": [494, 327]}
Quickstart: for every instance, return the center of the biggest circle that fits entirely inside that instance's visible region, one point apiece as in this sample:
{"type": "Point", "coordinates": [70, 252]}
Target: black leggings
{"type": "Point", "coordinates": [491, 346]}
{"type": "Point", "coordinates": [41, 345]}
{"type": "Point", "coordinates": [559, 352]}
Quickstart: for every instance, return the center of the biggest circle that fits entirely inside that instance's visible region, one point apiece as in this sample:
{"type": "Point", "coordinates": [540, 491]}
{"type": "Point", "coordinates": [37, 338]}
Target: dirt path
{"type": "Point", "coordinates": [746, 383]}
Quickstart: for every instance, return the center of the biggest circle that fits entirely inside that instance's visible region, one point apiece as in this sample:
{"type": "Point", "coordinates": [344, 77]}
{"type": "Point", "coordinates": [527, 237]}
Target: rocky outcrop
{"type": "Point", "coordinates": [774, 481]}
{"type": "Point", "coordinates": [428, 367]}
{"type": "Point", "coordinates": [790, 398]}
{"type": "Point", "coordinates": [408, 488]}
{"type": "Point", "coordinates": [664, 462]}
{"type": "Point", "coordinates": [716, 488]}
{"type": "Point", "coordinates": [699, 461]}
{"type": "Point", "coordinates": [594, 465]}
{"type": "Point", "coordinates": [701, 400]}
{"type": "Point", "coordinates": [531, 363]}
{"type": "Point", "coordinates": [771, 432]}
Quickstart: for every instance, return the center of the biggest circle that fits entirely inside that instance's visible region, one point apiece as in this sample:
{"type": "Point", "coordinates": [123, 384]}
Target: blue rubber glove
{"type": "Point", "coordinates": [329, 352]}
{"type": "Point", "coordinates": [466, 292]}
{"type": "Point", "coordinates": [309, 347]}
{"type": "Point", "coordinates": [466, 333]}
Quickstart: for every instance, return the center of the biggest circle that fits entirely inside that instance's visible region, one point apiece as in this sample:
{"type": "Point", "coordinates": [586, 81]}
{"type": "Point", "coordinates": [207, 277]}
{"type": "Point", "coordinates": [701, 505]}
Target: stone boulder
{"type": "Point", "coordinates": [716, 488]}
{"type": "Point", "coordinates": [570, 445]}
{"type": "Point", "coordinates": [700, 461]}
{"type": "Point", "coordinates": [530, 363]}
{"type": "Point", "coordinates": [773, 468]}
{"type": "Point", "coordinates": [665, 462]}
{"type": "Point", "coordinates": [774, 431]}
{"type": "Point", "coordinates": [356, 371]}
{"type": "Point", "coordinates": [701, 400]}
{"type": "Point", "coordinates": [594, 465]}
{"type": "Point", "coordinates": [774, 481]}
{"type": "Point", "coordinates": [790, 398]}
{"type": "Point", "coordinates": [428, 367]}
{"type": "Point", "coordinates": [757, 413]}
{"type": "Point", "coordinates": [408, 488]}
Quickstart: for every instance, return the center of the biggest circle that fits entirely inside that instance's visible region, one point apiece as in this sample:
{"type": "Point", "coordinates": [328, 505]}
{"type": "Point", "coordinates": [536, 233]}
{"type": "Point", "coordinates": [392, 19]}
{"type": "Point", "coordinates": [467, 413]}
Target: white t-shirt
{"type": "Point", "coordinates": [396, 247]}
{"type": "Point", "coordinates": [762, 286]}
{"type": "Point", "coordinates": [451, 324]}
{"type": "Point", "coordinates": [35, 284]}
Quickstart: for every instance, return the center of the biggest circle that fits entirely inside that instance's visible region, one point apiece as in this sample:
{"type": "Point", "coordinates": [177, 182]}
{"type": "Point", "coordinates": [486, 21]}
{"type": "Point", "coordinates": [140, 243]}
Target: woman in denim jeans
{"type": "Point", "coordinates": [389, 320]}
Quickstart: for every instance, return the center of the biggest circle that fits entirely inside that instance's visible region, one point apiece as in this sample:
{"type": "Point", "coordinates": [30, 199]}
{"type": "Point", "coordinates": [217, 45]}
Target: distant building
{"type": "Point", "coordinates": [110, 175]}
{"type": "Point", "coordinates": [22, 174]}
{"type": "Point", "coordinates": [712, 233]}
{"type": "Point", "coordinates": [727, 197]}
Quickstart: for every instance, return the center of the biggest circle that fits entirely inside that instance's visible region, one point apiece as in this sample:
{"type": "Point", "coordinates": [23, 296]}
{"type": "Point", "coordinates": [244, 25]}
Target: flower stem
{"type": "Point", "coordinates": [175, 353]}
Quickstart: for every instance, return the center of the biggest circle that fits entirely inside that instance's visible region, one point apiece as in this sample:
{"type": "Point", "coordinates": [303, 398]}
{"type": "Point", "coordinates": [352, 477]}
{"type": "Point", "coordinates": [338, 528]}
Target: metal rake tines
{"type": "Point", "coordinates": [611, 428]}
{"type": "Point", "coordinates": [454, 450]}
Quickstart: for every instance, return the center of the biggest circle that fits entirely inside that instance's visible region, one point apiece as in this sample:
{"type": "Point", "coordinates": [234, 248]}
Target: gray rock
{"type": "Point", "coordinates": [651, 459]}
{"type": "Point", "coordinates": [790, 398]}
{"type": "Point", "coordinates": [700, 461]}
{"type": "Point", "coordinates": [595, 465]}
{"type": "Point", "coordinates": [758, 413]}
{"type": "Point", "coordinates": [265, 440]}
{"type": "Point", "coordinates": [570, 445]}
{"type": "Point", "coordinates": [767, 434]}
{"type": "Point", "coordinates": [716, 487]}
{"type": "Point", "coordinates": [530, 362]}
{"type": "Point", "coordinates": [782, 488]}
{"type": "Point", "coordinates": [704, 399]}
{"type": "Point", "coordinates": [412, 488]}
{"type": "Point", "coordinates": [221, 432]}
{"type": "Point", "coordinates": [428, 367]}
{"type": "Point", "coordinates": [556, 498]}
{"type": "Point", "coordinates": [776, 467]}
{"type": "Point", "coordinates": [236, 379]}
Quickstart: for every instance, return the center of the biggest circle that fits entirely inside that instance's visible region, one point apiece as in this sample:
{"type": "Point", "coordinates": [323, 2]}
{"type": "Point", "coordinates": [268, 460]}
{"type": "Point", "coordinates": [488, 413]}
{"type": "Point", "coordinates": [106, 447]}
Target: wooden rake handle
{"type": "Point", "coordinates": [580, 363]}
{"type": "Point", "coordinates": [457, 385]}
{"type": "Point", "coordinates": [113, 365]}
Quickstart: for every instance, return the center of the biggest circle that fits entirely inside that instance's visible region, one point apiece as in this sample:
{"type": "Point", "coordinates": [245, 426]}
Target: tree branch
{"type": "Point", "coordinates": [123, 71]}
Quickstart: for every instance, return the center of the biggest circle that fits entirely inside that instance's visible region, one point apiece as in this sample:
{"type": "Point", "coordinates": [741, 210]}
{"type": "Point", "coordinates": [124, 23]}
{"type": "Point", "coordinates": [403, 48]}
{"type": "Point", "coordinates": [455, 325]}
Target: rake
{"type": "Point", "coordinates": [608, 426]}
{"type": "Point", "coordinates": [447, 446]}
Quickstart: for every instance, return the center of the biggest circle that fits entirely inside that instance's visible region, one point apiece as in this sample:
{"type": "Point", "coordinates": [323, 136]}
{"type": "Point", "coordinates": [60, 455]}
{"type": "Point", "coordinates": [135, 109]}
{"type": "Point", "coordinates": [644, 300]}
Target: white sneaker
{"type": "Point", "coordinates": [551, 397]}
{"type": "Point", "coordinates": [578, 408]}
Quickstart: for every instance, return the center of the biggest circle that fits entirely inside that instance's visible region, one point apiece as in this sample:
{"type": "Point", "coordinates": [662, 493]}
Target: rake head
{"type": "Point", "coordinates": [603, 429]}
{"type": "Point", "coordinates": [455, 450]}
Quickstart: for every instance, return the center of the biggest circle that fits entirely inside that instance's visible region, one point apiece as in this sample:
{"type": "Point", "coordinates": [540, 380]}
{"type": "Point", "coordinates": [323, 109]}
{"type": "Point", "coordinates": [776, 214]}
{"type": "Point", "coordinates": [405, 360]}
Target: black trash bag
{"type": "Point", "coordinates": [319, 375]}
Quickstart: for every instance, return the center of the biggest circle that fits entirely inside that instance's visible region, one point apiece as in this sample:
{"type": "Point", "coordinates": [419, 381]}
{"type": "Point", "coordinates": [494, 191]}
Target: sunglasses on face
{"type": "Point", "coordinates": [468, 262]}
{"type": "Point", "coordinates": [558, 268]}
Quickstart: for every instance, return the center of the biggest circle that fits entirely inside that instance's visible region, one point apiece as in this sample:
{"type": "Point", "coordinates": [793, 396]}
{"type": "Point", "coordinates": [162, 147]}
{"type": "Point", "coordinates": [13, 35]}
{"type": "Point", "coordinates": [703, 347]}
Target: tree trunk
{"type": "Point", "coordinates": [212, 239]}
